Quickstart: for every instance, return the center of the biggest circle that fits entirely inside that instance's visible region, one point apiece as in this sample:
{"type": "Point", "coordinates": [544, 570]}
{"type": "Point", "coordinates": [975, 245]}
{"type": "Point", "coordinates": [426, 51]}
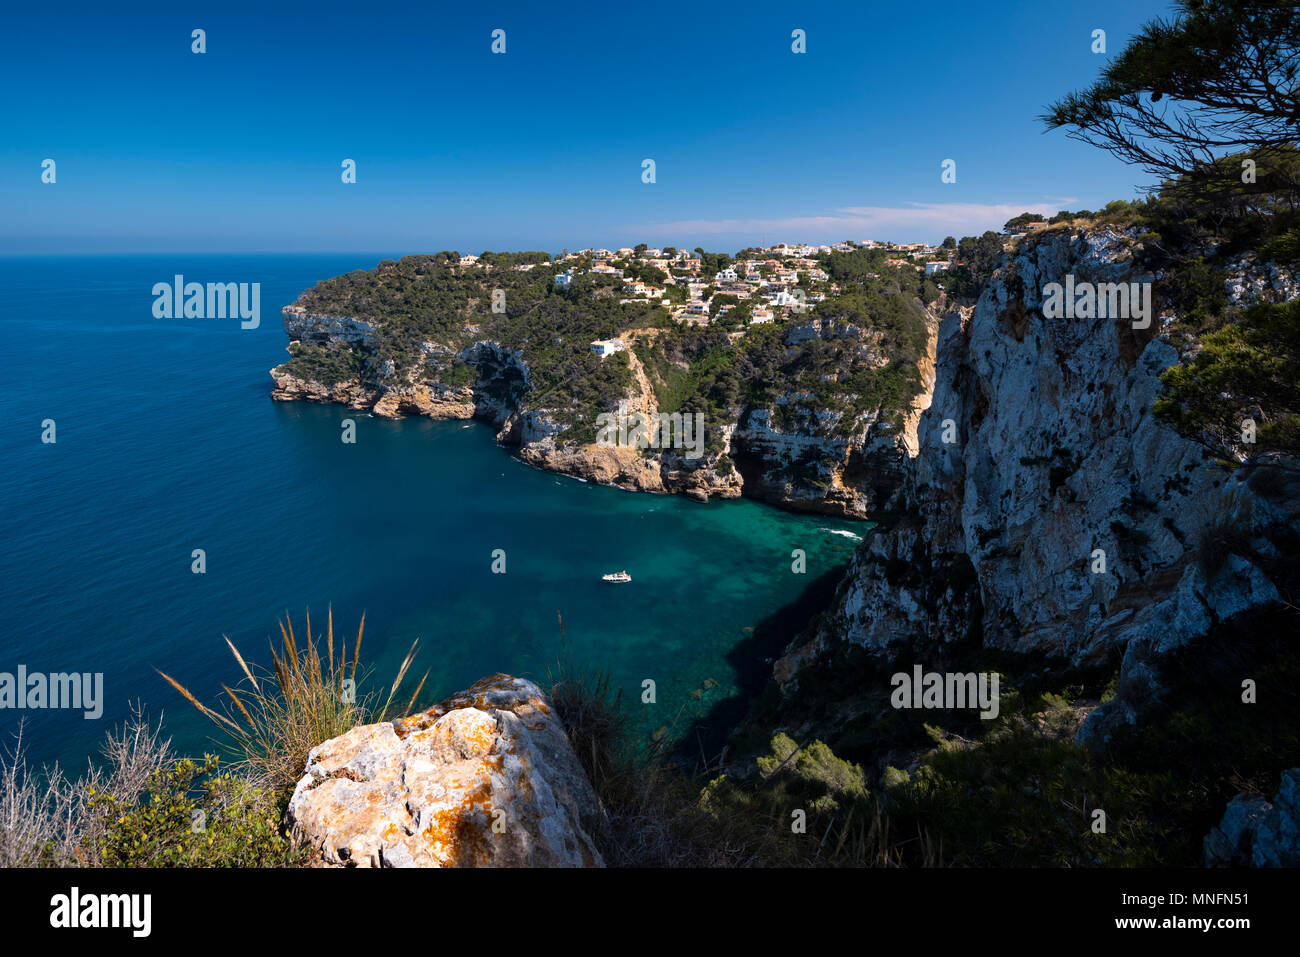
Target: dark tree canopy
{"type": "Point", "coordinates": [1246, 372]}
{"type": "Point", "coordinates": [1219, 77]}
{"type": "Point", "coordinates": [1024, 219]}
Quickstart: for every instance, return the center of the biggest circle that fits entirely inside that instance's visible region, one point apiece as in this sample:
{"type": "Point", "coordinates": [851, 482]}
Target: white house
{"type": "Point", "coordinates": [726, 276]}
{"type": "Point", "coordinates": [607, 347]}
{"type": "Point", "coordinates": [932, 268]}
{"type": "Point", "coordinates": [639, 288]}
{"type": "Point", "coordinates": [565, 279]}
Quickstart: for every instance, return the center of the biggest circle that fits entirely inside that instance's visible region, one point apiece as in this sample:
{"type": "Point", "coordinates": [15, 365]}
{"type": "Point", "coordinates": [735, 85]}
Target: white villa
{"type": "Point", "coordinates": [639, 288]}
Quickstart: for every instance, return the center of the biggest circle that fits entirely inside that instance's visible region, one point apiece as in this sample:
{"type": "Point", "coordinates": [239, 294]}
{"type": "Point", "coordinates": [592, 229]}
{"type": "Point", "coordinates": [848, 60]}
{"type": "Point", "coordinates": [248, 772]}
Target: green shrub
{"type": "Point", "coordinates": [1247, 369]}
{"type": "Point", "coordinates": [1283, 249]}
{"type": "Point", "coordinates": [458, 374]}
{"type": "Point", "coordinates": [221, 821]}
{"type": "Point", "coordinates": [327, 365]}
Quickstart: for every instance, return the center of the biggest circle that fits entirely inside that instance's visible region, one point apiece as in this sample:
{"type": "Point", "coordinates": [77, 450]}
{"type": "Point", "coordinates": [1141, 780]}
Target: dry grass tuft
{"type": "Point", "coordinates": [274, 717]}
{"type": "Point", "coordinates": [46, 818]}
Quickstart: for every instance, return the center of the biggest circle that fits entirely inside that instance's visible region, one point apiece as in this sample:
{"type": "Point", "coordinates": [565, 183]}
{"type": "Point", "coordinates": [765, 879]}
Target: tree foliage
{"type": "Point", "coordinates": [1248, 370]}
{"type": "Point", "coordinates": [1219, 77]}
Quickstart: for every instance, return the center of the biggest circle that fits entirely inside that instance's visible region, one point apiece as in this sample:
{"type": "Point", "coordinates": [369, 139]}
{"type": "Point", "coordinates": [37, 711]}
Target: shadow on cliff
{"type": "Point", "coordinates": [704, 739]}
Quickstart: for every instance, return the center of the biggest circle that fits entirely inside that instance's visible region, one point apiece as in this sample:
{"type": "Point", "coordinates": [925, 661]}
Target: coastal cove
{"type": "Point", "coordinates": [167, 441]}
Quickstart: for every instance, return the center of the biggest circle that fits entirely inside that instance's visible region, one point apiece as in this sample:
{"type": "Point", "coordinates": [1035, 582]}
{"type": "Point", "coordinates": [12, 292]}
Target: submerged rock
{"type": "Point", "coordinates": [486, 778]}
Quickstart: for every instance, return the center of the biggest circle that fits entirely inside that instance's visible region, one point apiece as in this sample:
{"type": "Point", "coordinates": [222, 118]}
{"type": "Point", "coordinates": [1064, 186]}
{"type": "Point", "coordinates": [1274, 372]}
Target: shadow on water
{"type": "Point", "coordinates": [752, 659]}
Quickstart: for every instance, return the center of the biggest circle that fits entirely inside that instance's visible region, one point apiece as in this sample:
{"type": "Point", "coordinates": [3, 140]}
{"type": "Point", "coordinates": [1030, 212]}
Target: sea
{"type": "Point", "coordinates": [167, 445]}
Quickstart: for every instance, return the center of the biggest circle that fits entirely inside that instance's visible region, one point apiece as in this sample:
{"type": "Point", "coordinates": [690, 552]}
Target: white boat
{"type": "Point", "coordinates": [617, 577]}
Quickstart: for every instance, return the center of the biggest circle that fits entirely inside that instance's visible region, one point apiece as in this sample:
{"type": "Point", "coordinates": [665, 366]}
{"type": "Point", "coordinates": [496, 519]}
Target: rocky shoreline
{"type": "Point", "coordinates": [857, 472]}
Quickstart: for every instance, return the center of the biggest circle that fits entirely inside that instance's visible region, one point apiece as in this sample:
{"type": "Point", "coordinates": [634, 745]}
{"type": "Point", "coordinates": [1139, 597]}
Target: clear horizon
{"type": "Point", "coordinates": [159, 149]}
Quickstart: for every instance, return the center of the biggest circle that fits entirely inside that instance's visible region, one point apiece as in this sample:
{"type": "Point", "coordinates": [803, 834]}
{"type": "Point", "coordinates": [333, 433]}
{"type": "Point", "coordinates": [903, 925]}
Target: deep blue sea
{"type": "Point", "coordinates": [168, 441]}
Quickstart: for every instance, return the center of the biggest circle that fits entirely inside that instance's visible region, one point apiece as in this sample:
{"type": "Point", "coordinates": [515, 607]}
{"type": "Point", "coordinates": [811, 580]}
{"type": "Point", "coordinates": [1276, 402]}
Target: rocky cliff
{"type": "Point", "coordinates": [1048, 511]}
{"type": "Point", "coordinates": [789, 449]}
{"type": "Point", "coordinates": [1259, 833]}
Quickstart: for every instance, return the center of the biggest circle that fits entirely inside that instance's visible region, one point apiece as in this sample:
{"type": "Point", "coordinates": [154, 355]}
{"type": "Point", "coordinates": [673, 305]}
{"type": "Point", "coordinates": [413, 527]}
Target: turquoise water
{"type": "Point", "coordinates": [167, 441]}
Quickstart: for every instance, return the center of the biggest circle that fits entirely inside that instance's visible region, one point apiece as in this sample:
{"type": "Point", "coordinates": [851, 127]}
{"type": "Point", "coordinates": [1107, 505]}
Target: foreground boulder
{"type": "Point", "coordinates": [486, 778]}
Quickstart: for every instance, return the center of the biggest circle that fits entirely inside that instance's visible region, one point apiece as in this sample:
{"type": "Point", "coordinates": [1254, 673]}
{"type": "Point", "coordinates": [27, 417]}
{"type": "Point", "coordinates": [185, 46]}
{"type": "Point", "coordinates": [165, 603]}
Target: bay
{"type": "Point", "coordinates": [168, 441]}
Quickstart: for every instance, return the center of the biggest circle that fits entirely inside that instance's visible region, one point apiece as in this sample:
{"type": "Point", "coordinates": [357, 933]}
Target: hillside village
{"type": "Point", "coordinates": [761, 285]}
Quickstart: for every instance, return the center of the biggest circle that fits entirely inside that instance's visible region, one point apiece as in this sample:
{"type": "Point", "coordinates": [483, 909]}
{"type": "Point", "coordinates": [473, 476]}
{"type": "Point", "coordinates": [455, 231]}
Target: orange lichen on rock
{"type": "Point", "coordinates": [486, 778]}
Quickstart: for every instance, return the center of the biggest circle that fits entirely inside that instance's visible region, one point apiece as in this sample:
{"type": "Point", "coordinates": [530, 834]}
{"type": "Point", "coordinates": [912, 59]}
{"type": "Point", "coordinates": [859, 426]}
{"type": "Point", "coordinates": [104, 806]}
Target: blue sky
{"type": "Point", "coordinates": [239, 149]}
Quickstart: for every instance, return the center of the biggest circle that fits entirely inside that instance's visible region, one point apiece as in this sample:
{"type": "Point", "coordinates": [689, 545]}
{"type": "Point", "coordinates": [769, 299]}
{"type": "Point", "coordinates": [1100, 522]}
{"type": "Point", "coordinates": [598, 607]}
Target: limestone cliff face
{"type": "Point", "coordinates": [821, 461]}
{"type": "Point", "coordinates": [435, 400]}
{"type": "Point", "coordinates": [304, 326]}
{"type": "Point", "coordinates": [544, 444]}
{"type": "Point", "coordinates": [811, 462]}
{"type": "Point", "coordinates": [1038, 457]}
